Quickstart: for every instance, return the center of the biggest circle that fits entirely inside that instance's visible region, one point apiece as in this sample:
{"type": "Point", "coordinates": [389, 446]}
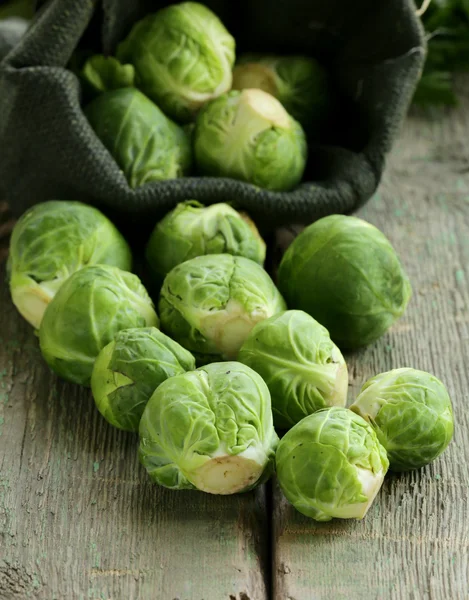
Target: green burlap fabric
{"type": "Point", "coordinates": [373, 49]}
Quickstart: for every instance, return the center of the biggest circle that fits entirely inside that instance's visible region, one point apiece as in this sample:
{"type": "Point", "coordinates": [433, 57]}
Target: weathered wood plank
{"type": "Point", "coordinates": [79, 519]}
{"type": "Point", "coordinates": [414, 542]}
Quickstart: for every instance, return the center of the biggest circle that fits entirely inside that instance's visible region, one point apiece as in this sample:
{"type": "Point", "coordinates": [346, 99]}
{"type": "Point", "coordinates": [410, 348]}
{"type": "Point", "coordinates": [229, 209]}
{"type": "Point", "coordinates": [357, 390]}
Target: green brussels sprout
{"type": "Point", "coordinates": [411, 413]}
{"type": "Point", "coordinates": [248, 135]}
{"type": "Point", "coordinates": [145, 144]}
{"type": "Point", "coordinates": [104, 73]}
{"type": "Point", "coordinates": [85, 315]}
{"type": "Point", "coordinates": [130, 368]}
{"type": "Point", "coordinates": [209, 429]}
{"type": "Point", "coordinates": [192, 229]}
{"type": "Point", "coordinates": [49, 243]}
{"type": "Point", "coordinates": [303, 369]}
{"type": "Point", "coordinates": [209, 304]}
{"type": "Point", "coordinates": [345, 273]}
{"type": "Point", "coordinates": [331, 465]}
{"type": "Point", "coordinates": [183, 56]}
{"type": "Point", "coordinates": [298, 82]}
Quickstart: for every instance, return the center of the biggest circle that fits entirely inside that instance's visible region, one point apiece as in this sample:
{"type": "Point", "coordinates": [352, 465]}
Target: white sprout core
{"type": "Point", "coordinates": [254, 75]}
{"type": "Point", "coordinates": [260, 104]}
{"type": "Point", "coordinates": [339, 394]}
{"type": "Point", "coordinates": [104, 381]}
{"type": "Point", "coordinates": [369, 401]}
{"type": "Point", "coordinates": [371, 484]}
{"type": "Point", "coordinates": [31, 299]}
{"type": "Point", "coordinates": [229, 328]}
{"type": "Point", "coordinates": [227, 474]}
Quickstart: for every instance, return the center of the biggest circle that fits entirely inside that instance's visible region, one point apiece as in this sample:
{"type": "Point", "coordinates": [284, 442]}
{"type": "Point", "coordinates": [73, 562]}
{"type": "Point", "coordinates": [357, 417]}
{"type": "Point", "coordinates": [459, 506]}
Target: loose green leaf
{"type": "Point", "coordinates": [447, 25]}
{"type": "Point", "coordinates": [105, 73]}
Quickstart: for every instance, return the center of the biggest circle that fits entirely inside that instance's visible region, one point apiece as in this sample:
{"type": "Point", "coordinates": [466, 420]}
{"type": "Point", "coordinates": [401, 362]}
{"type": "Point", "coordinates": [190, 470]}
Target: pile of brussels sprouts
{"type": "Point", "coordinates": [232, 361]}
{"type": "Point", "coordinates": [172, 102]}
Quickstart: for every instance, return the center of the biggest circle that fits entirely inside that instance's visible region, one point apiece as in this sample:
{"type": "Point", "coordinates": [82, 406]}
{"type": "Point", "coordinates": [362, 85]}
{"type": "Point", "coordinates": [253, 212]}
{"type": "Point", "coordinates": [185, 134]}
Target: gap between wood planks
{"type": "Point", "coordinates": [278, 562]}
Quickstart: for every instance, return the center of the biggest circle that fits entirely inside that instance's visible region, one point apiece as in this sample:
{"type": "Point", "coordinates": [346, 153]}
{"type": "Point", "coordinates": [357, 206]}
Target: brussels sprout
{"type": "Point", "coordinates": [51, 241]}
{"type": "Point", "coordinates": [192, 230]}
{"type": "Point", "coordinates": [248, 135]}
{"type": "Point", "coordinates": [183, 56]}
{"type": "Point", "coordinates": [345, 273]}
{"type": "Point", "coordinates": [298, 82]}
{"type": "Point", "coordinates": [104, 73]}
{"type": "Point", "coordinates": [85, 315]}
{"type": "Point", "coordinates": [209, 304]}
{"type": "Point", "coordinates": [331, 464]}
{"type": "Point", "coordinates": [304, 370]}
{"type": "Point", "coordinates": [130, 368]}
{"type": "Point", "coordinates": [209, 429]}
{"type": "Point", "coordinates": [145, 144]}
{"type": "Point", "coordinates": [411, 413]}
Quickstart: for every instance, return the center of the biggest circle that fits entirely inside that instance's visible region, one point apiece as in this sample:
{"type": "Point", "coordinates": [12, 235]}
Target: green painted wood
{"type": "Point", "coordinates": [79, 519]}
{"type": "Point", "coordinates": [413, 544]}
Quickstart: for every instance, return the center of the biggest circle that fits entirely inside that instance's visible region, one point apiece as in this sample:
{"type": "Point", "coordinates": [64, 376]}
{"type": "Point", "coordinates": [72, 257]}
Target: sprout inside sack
{"type": "Point", "coordinates": [183, 57]}
{"type": "Point", "coordinates": [299, 82]}
{"type": "Point", "coordinates": [249, 136]}
{"type": "Point", "coordinates": [146, 145]}
{"type": "Point", "coordinates": [209, 429]}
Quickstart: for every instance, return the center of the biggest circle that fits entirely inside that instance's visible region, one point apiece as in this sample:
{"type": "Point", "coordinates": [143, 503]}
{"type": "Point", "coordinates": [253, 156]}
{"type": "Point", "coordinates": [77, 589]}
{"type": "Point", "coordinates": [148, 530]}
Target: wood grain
{"type": "Point", "coordinates": [79, 519]}
{"type": "Point", "coordinates": [413, 544]}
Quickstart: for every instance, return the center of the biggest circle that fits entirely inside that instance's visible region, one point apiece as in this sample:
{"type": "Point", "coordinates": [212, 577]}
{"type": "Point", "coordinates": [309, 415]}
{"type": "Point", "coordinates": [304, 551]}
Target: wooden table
{"type": "Point", "coordinates": [79, 518]}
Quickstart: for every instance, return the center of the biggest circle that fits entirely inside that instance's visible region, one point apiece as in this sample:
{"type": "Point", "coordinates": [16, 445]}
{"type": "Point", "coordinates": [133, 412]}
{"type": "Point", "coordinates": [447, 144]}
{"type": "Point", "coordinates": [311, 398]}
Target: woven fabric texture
{"type": "Point", "coordinates": [374, 52]}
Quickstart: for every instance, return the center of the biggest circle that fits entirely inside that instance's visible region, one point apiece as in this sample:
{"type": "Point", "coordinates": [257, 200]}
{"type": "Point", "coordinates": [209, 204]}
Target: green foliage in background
{"type": "Point", "coordinates": [18, 8]}
{"type": "Point", "coordinates": [447, 26]}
